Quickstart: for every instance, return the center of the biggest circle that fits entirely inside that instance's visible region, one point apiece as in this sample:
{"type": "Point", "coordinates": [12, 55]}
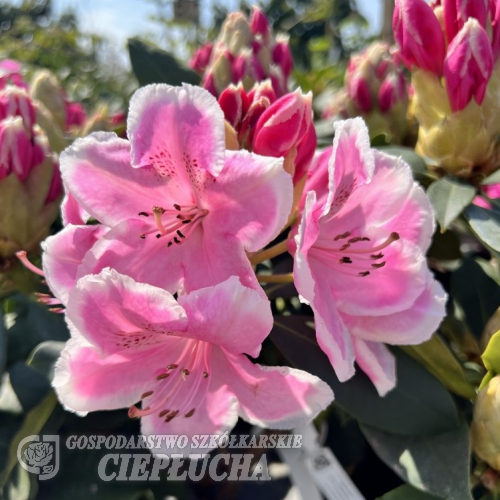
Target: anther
{"type": "Point", "coordinates": [158, 235]}
{"type": "Point", "coordinates": [345, 260]}
{"type": "Point", "coordinates": [144, 214]}
{"type": "Point", "coordinates": [378, 266]}
{"type": "Point", "coordinates": [177, 207]}
{"type": "Point", "coordinates": [177, 240]}
{"type": "Point", "coordinates": [190, 413]}
{"type": "Point", "coordinates": [163, 413]}
{"type": "Point", "coordinates": [364, 273]}
{"type": "Point", "coordinates": [146, 394]}
{"type": "Point", "coordinates": [377, 256]}
{"type": "Point", "coordinates": [143, 236]}
{"type": "Point", "coordinates": [205, 375]}
{"type": "Point", "coordinates": [162, 376]}
{"type": "Point", "coordinates": [344, 247]}
{"type": "Point", "coordinates": [172, 366]}
{"type": "Point", "coordinates": [180, 234]}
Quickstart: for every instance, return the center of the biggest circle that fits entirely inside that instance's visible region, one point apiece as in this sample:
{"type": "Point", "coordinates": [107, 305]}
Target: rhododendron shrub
{"type": "Point", "coordinates": [230, 259]}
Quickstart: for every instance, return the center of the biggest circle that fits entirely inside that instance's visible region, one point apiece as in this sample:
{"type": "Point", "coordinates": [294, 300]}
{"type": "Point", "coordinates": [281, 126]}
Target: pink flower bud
{"type": "Point", "coordinates": [468, 65]}
{"type": "Point", "coordinates": [18, 152]}
{"type": "Point", "coordinates": [10, 73]}
{"type": "Point", "coordinates": [418, 33]}
{"type": "Point", "coordinates": [305, 153]}
{"type": "Point", "coordinates": [495, 29]}
{"type": "Point", "coordinates": [278, 81]}
{"type": "Point", "coordinates": [456, 13]}
{"type": "Point", "coordinates": [15, 101]}
{"type": "Point", "coordinates": [262, 89]}
{"type": "Point", "coordinates": [75, 114]}
{"type": "Point", "coordinates": [219, 75]}
{"type": "Point", "coordinates": [392, 90]}
{"type": "Point", "coordinates": [259, 23]}
{"type": "Point", "coordinates": [282, 55]}
{"type": "Point", "coordinates": [249, 123]}
{"type": "Point", "coordinates": [200, 59]}
{"type": "Point", "coordinates": [283, 125]}
{"type": "Point", "coordinates": [235, 103]}
{"type": "Point", "coordinates": [247, 67]}
{"type": "Point", "coordinates": [358, 85]}
{"type": "Point", "coordinates": [56, 187]}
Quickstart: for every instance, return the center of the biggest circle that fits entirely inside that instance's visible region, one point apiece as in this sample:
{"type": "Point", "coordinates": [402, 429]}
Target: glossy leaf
{"type": "Point", "coordinates": [437, 357]}
{"type": "Point", "coordinates": [449, 197]}
{"type": "Point", "coordinates": [154, 65]}
{"type": "Point", "coordinates": [476, 293]}
{"type": "Point", "coordinates": [486, 224]}
{"type": "Point", "coordinates": [419, 405]}
{"type": "Point", "coordinates": [491, 355]}
{"type": "Point", "coordinates": [437, 464]}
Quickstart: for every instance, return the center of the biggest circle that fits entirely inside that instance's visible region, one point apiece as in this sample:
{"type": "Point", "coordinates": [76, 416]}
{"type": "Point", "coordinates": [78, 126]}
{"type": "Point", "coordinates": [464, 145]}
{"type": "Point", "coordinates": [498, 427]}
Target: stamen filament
{"type": "Point", "coordinates": [21, 255]}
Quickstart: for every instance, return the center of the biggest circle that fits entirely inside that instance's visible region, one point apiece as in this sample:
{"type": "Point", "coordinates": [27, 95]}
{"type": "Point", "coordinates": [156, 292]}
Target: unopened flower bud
{"type": "Point", "coordinates": [235, 103]}
{"type": "Point", "coordinates": [259, 23]}
{"type": "Point", "coordinates": [419, 36]}
{"type": "Point", "coordinates": [247, 69]}
{"type": "Point", "coordinates": [262, 89]}
{"type": "Point", "coordinates": [485, 428]}
{"type": "Point", "coordinates": [236, 33]}
{"type": "Point", "coordinates": [468, 65]}
{"type": "Point", "coordinates": [284, 125]}
{"type": "Point", "coordinates": [75, 115]}
{"type": "Point", "coordinates": [220, 74]}
{"type": "Point", "coordinates": [201, 58]}
{"type": "Point", "coordinates": [249, 123]}
{"type": "Point", "coordinates": [392, 91]}
{"type": "Point", "coordinates": [457, 12]}
{"type": "Point", "coordinates": [15, 101]}
{"type": "Point", "coordinates": [282, 55]}
{"type": "Point", "coordinates": [46, 89]}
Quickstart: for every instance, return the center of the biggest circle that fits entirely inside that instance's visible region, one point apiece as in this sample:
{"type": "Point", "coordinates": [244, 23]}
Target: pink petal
{"type": "Point", "coordinates": [378, 363]}
{"type": "Point", "coordinates": [96, 171]}
{"type": "Point", "coordinates": [230, 315]}
{"type": "Point", "coordinates": [411, 326]}
{"type": "Point", "coordinates": [72, 212]}
{"type": "Point", "coordinates": [251, 199]}
{"type": "Point", "coordinates": [86, 381]}
{"type": "Point", "coordinates": [352, 162]}
{"type": "Point", "coordinates": [312, 285]}
{"type": "Point", "coordinates": [63, 253]}
{"type": "Point", "coordinates": [196, 263]}
{"type": "Point", "coordinates": [387, 290]}
{"type": "Point", "coordinates": [214, 416]}
{"type": "Point", "coordinates": [274, 397]}
{"type": "Point", "coordinates": [115, 313]}
{"type": "Point", "coordinates": [177, 130]}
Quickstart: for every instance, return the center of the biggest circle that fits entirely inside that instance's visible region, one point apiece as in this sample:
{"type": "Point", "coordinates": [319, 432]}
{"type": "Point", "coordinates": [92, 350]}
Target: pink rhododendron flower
{"type": "Point", "coordinates": [182, 209]}
{"type": "Point", "coordinates": [182, 361]}
{"type": "Point", "coordinates": [360, 256]}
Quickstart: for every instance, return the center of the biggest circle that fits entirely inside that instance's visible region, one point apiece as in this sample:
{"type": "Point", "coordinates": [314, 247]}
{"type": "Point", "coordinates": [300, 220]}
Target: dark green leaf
{"type": "Point", "coordinates": [476, 293]}
{"type": "Point", "coordinates": [445, 246]}
{"type": "Point", "coordinates": [44, 357]}
{"type": "Point", "coordinates": [486, 224]}
{"type": "Point", "coordinates": [29, 385]}
{"type": "Point", "coordinates": [154, 65]}
{"type": "Point", "coordinates": [419, 405]}
{"type": "Point", "coordinates": [438, 358]}
{"type": "Point", "coordinates": [437, 464]}
{"type": "Point", "coordinates": [449, 197]}
{"type": "Point", "coordinates": [407, 492]}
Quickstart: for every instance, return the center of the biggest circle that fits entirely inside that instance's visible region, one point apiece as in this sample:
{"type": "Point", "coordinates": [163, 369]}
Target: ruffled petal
{"type": "Point", "coordinates": [177, 130]}
{"type": "Point", "coordinates": [115, 313]}
{"type": "Point", "coordinates": [411, 326]}
{"type": "Point", "coordinates": [63, 254]}
{"type": "Point", "coordinates": [230, 315]}
{"type": "Point", "coordinates": [378, 363]}
{"type": "Point", "coordinates": [96, 171]}
{"type": "Point", "coordinates": [274, 397]}
{"type": "Point", "coordinates": [251, 199]}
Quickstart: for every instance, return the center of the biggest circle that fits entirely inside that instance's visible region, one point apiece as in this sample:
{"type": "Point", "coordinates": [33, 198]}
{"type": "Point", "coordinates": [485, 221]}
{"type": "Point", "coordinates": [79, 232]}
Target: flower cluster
{"type": "Point", "coordinates": [163, 289]}
{"type": "Point", "coordinates": [376, 89]}
{"type": "Point", "coordinates": [452, 49]}
{"type": "Point", "coordinates": [30, 185]}
{"type": "Point", "coordinates": [246, 51]}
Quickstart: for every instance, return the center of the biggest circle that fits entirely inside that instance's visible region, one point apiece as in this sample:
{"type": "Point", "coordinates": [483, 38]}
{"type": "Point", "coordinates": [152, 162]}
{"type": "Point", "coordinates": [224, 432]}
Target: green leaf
{"type": "Point", "coordinates": [486, 224]}
{"type": "Point", "coordinates": [44, 357]}
{"type": "Point", "coordinates": [154, 65]}
{"type": "Point", "coordinates": [494, 178]}
{"type": "Point", "coordinates": [419, 405]}
{"type": "Point", "coordinates": [29, 386]}
{"type": "Point", "coordinates": [449, 197]}
{"type": "Point", "coordinates": [437, 357]}
{"type": "Point", "coordinates": [437, 464]}
{"type": "Point", "coordinates": [445, 246]}
{"type": "Point", "coordinates": [491, 355]}
{"type": "Point", "coordinates": [407, 492]}
{"type": "Point", "coordinates": [476, 293]}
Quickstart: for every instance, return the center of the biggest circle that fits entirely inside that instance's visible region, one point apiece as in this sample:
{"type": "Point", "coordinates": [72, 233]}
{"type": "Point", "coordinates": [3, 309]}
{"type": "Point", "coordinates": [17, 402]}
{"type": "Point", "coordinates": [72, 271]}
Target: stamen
{"type": "Point", "coordinates": [21, 255]}
{"type": "Point", "coordinates": [364, 273]}
{"type": "Point", "coordinates": [146, 394]}
{"type": "Point", "coordinates": [157, 213]}
{"type": "Point", "coordinates": [162, 376]}
{"type": "Point", "coordinates": [190, 413]}
{"type": "Point", "coordinates": [378, 266]}
{"type": "Point", "coordinates": [144, 214]}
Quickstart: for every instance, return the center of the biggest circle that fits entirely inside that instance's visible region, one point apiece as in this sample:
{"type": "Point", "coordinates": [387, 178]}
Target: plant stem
{"type": "Point", "coordinates": [275, 278]}
{"type": "Point", "coordinates": [269, 253]}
